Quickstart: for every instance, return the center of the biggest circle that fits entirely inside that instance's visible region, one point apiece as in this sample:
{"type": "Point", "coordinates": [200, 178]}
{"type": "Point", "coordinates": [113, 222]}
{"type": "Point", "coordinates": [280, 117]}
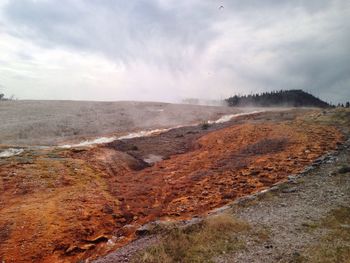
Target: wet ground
{"type": "Point", "coordinates": [65, 205]}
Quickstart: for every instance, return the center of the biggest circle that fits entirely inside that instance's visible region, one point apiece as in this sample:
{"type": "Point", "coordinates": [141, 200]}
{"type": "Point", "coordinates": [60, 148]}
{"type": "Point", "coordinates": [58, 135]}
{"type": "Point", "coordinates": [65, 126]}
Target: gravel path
{"type": "Point", "coordinates": [296, 204]}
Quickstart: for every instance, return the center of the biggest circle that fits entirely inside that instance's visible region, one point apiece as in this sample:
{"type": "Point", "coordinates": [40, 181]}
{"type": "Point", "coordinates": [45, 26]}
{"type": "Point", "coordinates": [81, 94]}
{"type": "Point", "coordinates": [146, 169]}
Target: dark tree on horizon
{"type": "Point", "coordinates": [291, 98]}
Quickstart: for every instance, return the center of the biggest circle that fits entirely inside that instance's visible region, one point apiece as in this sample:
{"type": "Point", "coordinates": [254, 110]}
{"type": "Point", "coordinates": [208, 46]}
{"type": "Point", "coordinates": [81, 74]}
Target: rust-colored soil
{"type": "Point", "coordinates": [68, 205]}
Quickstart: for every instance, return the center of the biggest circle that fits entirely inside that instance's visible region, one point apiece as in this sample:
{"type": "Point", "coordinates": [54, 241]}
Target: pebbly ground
{"type": "Point", "coordinates": [287, 212]}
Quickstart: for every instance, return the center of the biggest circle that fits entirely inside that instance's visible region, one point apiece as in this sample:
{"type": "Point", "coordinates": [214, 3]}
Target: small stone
{"type": "Point", "coordinates": [344, 169]}
{"type": "Point", "coordinates": [145, 229]}
{"type": "Point", "coordinates": [268, 246]}
{"type": "Point", "coordinates": [296, 254]}
{"type": "Point", "coordinates": [291, 177]}
{"type": "Point", "coordinates": [289, 190]}
{"type": "Point", "coordinates": [254, 173]}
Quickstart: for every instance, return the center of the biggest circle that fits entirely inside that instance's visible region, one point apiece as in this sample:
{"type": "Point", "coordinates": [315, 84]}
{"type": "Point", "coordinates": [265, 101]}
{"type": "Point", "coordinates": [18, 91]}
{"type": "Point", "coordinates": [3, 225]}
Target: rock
{"type": "Point", "coordinates": [78, 150]}
{"type": "Point", "coordinates": [78, 249]}
{"type": "Point", "coordinates": [291, 177]}
{"type": "Point", "coordinates": [344, 169]}
{"type": "Point", "coordinates": [128, 229]}
{"type": "Point", "coordinates": [145, 229]}
{"type": "Point", "coordinates": [289, 190]}
{"type": "Point", "coordinates": [307, 169]}
{"type": "Point", "coordinates": [274, 188]}
{"type": "Point", "coordinates": [97, 239]}
{"type": "Point", "coordinates": [296, 255]}
{"type": "Point", "coordinates": [254, 173]}
{"type": "Point", "coordinates": [332, 173]}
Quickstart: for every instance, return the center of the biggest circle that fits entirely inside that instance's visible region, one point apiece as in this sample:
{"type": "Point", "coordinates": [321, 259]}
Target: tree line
{"type": "Point", "coordinates": [291, 98]}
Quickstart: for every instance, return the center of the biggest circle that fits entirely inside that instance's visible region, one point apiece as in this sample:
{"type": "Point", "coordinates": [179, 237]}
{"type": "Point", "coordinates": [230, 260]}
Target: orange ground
{"type": "Point", "coordinates": [64, 206]}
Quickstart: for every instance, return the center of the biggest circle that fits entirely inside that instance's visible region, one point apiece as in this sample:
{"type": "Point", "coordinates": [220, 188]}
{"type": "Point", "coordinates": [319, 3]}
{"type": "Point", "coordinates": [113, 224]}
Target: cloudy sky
{"type": "Point", "coordinates": [167, 50]}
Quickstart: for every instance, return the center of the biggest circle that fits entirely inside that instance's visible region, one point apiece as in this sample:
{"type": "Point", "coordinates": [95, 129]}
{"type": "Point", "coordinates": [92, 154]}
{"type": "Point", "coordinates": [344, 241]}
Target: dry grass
{"type": "Point", "coordinates": [335, 245]}
{"type": "Point", "coordinates": [338, 116]}
{"type": "Point", "coordinates": [198, 243]}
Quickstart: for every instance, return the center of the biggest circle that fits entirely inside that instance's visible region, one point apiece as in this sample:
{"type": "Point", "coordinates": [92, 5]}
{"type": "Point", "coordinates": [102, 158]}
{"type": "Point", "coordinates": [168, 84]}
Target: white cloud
{"type": "Point", "coordinates": [168, 50]}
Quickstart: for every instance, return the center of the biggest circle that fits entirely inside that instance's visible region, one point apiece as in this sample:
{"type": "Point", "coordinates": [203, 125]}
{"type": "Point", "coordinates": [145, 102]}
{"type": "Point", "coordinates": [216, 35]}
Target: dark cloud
{"type": "Point", "coordinates": [248, 45]}
{"type": "Point", "coordinates": [270, 5]}
{"type": "Point", "coordinates": [119, 29]}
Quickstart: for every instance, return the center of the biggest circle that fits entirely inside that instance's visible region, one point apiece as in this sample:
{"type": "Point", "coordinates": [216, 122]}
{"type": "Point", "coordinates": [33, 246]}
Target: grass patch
{"type": "Point", "coordinates": [339, 116]}
{"type": "Point", "coordinates": [335, 245]}
{"type": "Point", "coordinates": [197, 243]}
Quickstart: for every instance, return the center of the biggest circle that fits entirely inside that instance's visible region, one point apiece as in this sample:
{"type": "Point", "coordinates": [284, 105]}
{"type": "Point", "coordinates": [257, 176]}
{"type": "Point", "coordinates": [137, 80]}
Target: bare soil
{"type": "Point", "coordinates": [67, 205]}
{"type": "Point", "coordinates": [304, 219]}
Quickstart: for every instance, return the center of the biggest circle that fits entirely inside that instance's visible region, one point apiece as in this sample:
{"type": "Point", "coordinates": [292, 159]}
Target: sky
{"type": "Point", "coordinates": [169, 50]}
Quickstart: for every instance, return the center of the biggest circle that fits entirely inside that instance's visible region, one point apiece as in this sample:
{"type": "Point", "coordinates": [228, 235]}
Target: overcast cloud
{"type": "Point", "coordinates": [167, 50]}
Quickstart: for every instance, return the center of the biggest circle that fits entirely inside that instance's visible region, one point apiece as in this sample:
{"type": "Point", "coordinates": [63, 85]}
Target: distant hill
{"type": "Point", "coordinates": [292, 98]}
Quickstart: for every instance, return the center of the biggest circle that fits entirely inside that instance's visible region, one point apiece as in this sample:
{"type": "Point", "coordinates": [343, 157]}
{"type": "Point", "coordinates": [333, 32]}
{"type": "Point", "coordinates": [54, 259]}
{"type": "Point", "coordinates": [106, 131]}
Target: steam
{"type": "Point", "coordinates": [86, 143]}
{"type": "Point", "coordinates": [102, 140]}
{"type": "Point", "coordinates": [144, 133]}
{"type": "Point", "coordinates": [147, 133]}
{"type": "Point", "coordinates": [10, 152]}
{"type": "Point", "coordinates": [229, 117]}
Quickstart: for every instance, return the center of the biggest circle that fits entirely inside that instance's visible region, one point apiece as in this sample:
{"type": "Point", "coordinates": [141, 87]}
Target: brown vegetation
{"type": "Point", "coordinates": [197, 243]}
